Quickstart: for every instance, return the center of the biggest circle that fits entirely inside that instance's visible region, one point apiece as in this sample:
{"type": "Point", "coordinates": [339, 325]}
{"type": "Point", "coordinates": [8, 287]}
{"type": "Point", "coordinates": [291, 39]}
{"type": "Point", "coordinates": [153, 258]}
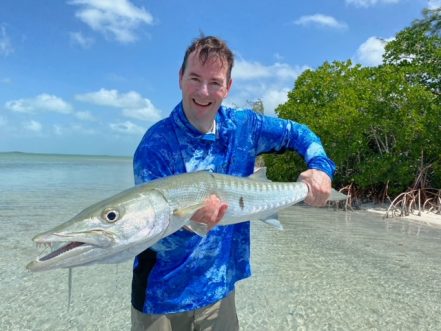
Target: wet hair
{"type": "Point", "coordinates": [209, 46]}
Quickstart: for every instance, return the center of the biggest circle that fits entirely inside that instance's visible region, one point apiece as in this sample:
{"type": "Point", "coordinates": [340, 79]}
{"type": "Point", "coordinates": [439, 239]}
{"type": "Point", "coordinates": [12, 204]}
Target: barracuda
{"type": "Point", "coordinates": [122, 226]}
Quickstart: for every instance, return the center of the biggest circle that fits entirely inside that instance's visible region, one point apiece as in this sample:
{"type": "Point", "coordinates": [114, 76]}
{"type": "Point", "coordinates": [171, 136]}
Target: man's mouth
{"type": "Point", "coordinates": [202, 104]}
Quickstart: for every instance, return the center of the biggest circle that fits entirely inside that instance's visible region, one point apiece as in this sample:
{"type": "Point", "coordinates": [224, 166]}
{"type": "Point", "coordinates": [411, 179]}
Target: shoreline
{"type": "Point", "coordinates": [21, 153]}
{"type": "Point", "coordinates": [426, 217]}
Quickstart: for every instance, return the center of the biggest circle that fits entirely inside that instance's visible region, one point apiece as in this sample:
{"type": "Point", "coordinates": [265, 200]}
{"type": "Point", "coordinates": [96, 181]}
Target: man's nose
{"type": "Point", "coordinates": [203, 88]}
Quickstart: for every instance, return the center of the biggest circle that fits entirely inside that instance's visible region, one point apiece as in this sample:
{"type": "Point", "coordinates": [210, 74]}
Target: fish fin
{"type": "Point", "coordinates": [259, 174]}
{"type": "Point", "coordinates": [274, 223]}
{"type": "Point", "coordinates": [337, 196]}
{"type": "Point", "coordinates": [200, 229]}
{"type": "Point", "coordinates": [187, 212]}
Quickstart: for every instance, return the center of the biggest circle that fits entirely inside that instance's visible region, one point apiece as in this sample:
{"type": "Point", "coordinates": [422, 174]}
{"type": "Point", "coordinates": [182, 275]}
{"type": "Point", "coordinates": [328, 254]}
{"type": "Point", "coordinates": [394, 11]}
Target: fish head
{"type": "Point", "coordinates": [109, 231]}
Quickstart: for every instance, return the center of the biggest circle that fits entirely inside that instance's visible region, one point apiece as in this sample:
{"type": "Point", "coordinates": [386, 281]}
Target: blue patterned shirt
{"type": "Point", "coordinates": [184, 271]}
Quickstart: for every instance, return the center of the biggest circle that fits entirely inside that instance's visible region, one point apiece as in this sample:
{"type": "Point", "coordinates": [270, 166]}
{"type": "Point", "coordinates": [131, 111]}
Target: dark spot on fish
{"type": "Point", "coordinates": [241, 203]}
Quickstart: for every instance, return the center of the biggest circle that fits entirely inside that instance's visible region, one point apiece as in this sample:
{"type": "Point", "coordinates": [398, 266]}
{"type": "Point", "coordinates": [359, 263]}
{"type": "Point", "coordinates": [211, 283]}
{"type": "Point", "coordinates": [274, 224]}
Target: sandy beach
{"type": "Point", "coordinates": [423, 217]}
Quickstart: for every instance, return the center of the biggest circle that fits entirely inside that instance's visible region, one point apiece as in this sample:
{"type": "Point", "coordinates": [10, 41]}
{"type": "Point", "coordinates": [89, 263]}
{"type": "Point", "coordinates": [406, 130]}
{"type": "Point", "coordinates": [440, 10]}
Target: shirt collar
{"type": "Point", "coordinates": [184, 124]}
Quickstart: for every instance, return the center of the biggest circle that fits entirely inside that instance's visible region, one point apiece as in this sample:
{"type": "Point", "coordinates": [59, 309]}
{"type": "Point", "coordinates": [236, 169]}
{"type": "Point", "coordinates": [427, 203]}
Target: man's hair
{"type": "Point", "coordinates": [209, 46]}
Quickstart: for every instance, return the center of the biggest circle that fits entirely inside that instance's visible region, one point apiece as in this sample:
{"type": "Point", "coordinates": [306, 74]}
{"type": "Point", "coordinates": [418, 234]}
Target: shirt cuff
{"type": "Point", "coordinates": [324, 164]}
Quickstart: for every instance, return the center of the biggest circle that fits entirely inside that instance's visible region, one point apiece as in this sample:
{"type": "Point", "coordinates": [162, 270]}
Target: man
{"type": "Point", "coordinates": [186, 282]}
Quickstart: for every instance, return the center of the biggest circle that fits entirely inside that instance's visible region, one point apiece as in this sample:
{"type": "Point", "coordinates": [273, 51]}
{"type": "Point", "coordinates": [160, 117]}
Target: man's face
{"type": "Point", "coordinates": [203, 87]}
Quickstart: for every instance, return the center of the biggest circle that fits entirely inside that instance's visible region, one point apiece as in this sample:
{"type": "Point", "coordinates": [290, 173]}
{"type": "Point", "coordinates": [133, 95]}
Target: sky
{"type": "Point", "coordinates": [91, 76]}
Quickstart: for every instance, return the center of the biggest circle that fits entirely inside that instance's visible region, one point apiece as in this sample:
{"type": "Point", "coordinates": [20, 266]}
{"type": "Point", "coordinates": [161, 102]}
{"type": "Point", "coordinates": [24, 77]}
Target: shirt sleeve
{"type": "Point", "coordinates": [278, 135]}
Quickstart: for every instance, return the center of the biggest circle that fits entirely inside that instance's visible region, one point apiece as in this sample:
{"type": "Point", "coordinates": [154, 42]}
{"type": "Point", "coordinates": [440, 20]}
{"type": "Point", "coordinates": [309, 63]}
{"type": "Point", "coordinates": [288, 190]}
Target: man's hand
{"type": "Point", "coordinates": [211, 213]}
{"type": "Point", "coordinates": [319, 185]}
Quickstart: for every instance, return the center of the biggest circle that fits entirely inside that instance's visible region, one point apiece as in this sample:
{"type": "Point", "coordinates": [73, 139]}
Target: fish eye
{"type": "Point", "coordinates": [110, 215]}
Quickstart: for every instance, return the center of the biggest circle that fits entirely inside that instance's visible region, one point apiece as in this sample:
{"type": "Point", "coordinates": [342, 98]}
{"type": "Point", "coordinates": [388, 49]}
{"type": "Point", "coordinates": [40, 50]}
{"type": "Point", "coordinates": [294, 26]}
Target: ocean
{"type": "Point", "coordinates": [328, 270]}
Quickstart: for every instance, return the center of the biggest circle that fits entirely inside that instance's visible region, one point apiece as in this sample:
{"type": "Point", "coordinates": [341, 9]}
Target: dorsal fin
{"type": "Point", "coordinates": [259, 174]}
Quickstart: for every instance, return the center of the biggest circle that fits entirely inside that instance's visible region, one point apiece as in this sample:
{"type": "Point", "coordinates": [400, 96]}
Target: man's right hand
{"type": "Point", "coordinates": [319, 187]}
{"type": "Point", "coordinates": [211, 213]}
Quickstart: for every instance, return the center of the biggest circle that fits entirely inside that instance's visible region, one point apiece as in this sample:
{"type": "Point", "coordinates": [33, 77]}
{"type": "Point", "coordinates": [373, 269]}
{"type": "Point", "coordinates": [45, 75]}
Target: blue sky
{"type": "Point", "coordinates": [90, 76]}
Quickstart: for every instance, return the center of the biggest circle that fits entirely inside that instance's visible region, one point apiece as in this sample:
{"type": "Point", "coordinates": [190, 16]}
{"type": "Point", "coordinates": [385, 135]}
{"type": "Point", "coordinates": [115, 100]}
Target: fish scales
{"type": "Point", "coordinates": [244, 196]}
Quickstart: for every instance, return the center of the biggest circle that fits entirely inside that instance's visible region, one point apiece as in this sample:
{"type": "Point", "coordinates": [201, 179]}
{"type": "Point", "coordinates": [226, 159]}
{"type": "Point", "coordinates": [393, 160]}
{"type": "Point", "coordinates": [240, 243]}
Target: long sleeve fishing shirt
{"type": "Point", "coordinates": [184, 271]}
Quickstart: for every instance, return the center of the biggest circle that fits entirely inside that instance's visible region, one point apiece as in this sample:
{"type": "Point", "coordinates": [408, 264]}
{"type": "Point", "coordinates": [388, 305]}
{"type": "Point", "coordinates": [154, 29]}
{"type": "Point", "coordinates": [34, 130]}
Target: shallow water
{"type": "Point", "coordinates": [327, 270]}
{"type": "Point", "coordinates": [335, 271]}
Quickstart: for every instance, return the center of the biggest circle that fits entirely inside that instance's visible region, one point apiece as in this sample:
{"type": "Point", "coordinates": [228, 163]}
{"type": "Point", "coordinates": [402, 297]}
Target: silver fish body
{"type": "Point", "coordinates": [122, 226]}
{"type": "Point", "coordinates": [252, 198]}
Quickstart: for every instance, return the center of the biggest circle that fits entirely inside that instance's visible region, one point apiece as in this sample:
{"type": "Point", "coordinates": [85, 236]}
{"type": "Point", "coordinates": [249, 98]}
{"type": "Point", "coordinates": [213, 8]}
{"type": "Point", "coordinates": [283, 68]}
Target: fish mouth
{"type": "Point", "coordinates": [68, 249]}
{"type": "Point", "coordinates": [61, 250]}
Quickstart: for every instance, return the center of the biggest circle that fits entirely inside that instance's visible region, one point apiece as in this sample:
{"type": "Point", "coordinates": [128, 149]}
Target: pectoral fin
{"type": "Point", "coordinates": [274, 223]}
{"type": "Point", "coordinates": [187, 212]}
{"type": "Point", "coordinates": [200, 229]}
{"type": "Point", "coordinates": [271, 220]}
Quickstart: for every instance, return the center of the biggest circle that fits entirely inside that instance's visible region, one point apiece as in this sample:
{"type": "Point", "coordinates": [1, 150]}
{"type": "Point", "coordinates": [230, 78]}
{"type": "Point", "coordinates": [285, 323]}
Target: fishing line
{"type": "Point", "coordinates": [69, 283]}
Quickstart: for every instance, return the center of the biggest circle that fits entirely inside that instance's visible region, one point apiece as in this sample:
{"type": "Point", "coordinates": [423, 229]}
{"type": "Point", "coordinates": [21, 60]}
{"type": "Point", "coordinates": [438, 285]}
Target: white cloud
{"type": "Point", "coordinates": [73, 129]}
{"type": "Point", "coordinates": [84, 116]}
{"type": "Point", "coordinates": [133, 105]}
{"type": "Point", "coordinates": [370, 53]}
{"type": "Point", "coordinates": [249, 70]}
{"type": "Point", "coordinates": [245, 70]}
{"type": "Point", "coordinates": [321, 20]}
{"type": "Point", "coordinates": [270, 95]}
{"type": "Point", "coordinates": [42, 102]}
{"type": "Point", "coordinates": [5, 43]}
{"type": "Point", "coordinates": [112, 98]}
{"type": "Point", "coordinates": [269, 83]}
{"type": "Point", "coordinates": [434, 4]}
{"type": "Point", "coordinates": [20, 106]}
{"type": "Point", "coordinates": [116, 19]}
{"type": "Point", "coordinates": [148, 113]}
{"type": "Point", "coordinates": [78, 38]}
{"type": "Point", "coordinates": [273, 98]}
{"type": "Point", "coordinates": [78, 128]}
{"type": "Point", "coordinates": [127, 127]}
{"type": "Point", "coordinates": [368, 3]}
{"type": "Point", "coordinates": [33, 126]}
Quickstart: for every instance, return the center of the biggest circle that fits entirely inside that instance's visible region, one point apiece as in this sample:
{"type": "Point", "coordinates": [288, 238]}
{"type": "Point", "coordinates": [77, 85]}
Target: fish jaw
{"type": "Point", "coordinates": [95, 237]}
{"type": "Point", "coordinates": [70, 248]}
{"type": "Point", "coordinates": [62, 260]}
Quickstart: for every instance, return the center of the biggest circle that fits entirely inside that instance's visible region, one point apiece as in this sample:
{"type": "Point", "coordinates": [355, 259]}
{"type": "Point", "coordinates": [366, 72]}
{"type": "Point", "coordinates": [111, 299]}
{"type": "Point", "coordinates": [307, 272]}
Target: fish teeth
{"type": "Point", "coordinates": [44, 245]}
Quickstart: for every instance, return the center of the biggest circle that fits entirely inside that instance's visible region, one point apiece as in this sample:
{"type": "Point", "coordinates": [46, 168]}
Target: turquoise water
{"type": "Point", "coordinates": [329, 270]}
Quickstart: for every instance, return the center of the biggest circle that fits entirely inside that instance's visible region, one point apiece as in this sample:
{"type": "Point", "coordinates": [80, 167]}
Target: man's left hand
{"type": "Point", "coordinates": [319, 185]}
